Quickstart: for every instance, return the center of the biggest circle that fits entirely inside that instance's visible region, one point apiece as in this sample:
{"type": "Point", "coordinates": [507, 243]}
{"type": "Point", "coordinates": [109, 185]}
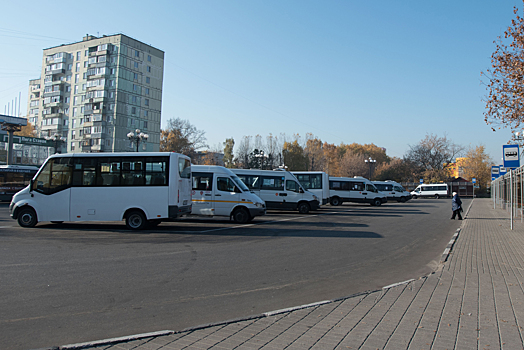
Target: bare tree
{"type": "Point", "coordinates": [244, 149]}
{"type": "Point", "coordinates": [431, 156]}
{"type": "Point", "coordinates": [182, 137]}
{"type": "Point", "coordinates": [353, 164]}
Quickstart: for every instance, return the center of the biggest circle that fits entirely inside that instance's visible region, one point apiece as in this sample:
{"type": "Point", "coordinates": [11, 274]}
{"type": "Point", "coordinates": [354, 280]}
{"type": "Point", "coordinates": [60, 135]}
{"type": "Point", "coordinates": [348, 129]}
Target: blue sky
{"type": "Point", "coordinates": [383, 72]}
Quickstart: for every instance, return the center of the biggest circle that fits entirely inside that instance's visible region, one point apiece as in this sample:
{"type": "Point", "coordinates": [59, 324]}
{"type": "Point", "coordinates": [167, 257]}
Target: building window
{"type": "Point", "coordinates": [147, 91]}
{"type": "Point", "coordinates": [135, 76]}
{"type": "Point", "coordinates": [146, 102]}
{"type": "Point", "coordinates": [137, 54]}
{"type": "Point", "coordinates": [77, 66]}
{"type": "Point", "coordinates": [148, 81]}
{"type": "Point", "coordinates": [133, 111]}
{"type": "Point", "coordinates": [149, 69]}
{"type": "Point", "coordinates": [78, 54]}
{"type": "Point", "coordinates": [136, 64]}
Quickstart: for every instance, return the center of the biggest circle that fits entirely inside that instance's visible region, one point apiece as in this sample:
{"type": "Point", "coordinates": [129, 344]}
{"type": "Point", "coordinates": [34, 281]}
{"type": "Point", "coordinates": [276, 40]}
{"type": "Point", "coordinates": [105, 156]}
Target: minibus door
{"type": "Point", "coordinates": [357, 192]}
{"type": "Point", "coordinates": [203, 198]}
{"type": "Point", "coordinates": [227, 196]}
{"type": "Point", "coordinates": [272, 191]}
{"type": "Point", "coordinates": [293, 194]}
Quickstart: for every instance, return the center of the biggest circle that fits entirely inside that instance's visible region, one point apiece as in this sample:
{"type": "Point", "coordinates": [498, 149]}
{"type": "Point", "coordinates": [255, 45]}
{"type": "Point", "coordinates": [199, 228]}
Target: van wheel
{"type": "Point", "coordinates": [437, 196]}
{"type": "Point", "coordinates": [402, 199]}
{"type": "Point", "coordinates": [27, 217]}
{"type": "Point", "coordinates": [136, 220]}
{"type": "Point", "coordinates": [241, 216]}
{"type": "Point", "coordinates": [303, 208]}
{"type": "Point", "coordinates": [376, 202]}
{"type": "Point", "coordinates": [335, 201]}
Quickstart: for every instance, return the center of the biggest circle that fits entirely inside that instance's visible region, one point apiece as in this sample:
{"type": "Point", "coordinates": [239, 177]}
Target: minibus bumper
{"type": "Point", "coordinates": [314, 205]}
{"type": "Point", "coordinates": [257, 212]}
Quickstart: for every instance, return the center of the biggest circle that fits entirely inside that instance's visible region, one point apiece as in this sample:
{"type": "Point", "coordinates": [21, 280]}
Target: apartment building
{"type": "Point", "coordinates": [92, 93]}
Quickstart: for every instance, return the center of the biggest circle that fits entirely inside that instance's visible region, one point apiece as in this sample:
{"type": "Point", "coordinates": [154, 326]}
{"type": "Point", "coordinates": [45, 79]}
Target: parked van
{"type": "Point", "coordinates": [430, 190]}
{"type": "Point", "coordinates": [279, 189]}
{"type": "Point", "coordinates": [316, 182]}
{"type": "Point", "coordinates": [393, 190]}
{"type": "Point", "coordinates": [354, 189]}
{"type": "Point", "coordinates": [217, 191]}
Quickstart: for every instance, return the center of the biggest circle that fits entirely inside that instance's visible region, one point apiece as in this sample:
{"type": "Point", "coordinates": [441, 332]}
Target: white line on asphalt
{"type": "Point", "coordinates": [398, 284]}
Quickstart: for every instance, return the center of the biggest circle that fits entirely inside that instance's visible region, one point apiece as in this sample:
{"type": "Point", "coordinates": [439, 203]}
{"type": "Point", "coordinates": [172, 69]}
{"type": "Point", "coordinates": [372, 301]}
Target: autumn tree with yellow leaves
{"type": "Point", "coordinates": [505, 79]}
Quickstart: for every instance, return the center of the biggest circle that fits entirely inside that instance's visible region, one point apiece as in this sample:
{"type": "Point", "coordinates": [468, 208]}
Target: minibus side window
{"type": "Point", "coordinates": [357, 186]}
{"type": "Point", "coordinates": [274, 183]}
{"type": "Point", "coordinates": [225, 184]}
{"type": "Point", "coordinates": [202, 181]}
{"type": "Point", "coordinates": [292, 186]}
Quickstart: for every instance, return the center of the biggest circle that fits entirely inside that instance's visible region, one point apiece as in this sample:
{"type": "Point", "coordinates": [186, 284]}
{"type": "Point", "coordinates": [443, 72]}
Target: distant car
{"type": "Point", "coordinates": [430, 190]}
{"type": "Point", "coordinates": [393, 190]}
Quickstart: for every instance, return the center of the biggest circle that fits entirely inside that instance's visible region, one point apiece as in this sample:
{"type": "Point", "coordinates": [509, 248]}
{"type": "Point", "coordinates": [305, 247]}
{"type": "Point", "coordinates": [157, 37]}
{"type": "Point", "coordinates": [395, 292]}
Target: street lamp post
{"type": "Point", "coordinates": [260, 157]}
{"type": "Point", "coordinates": [371, 162]}
{"type": "Point", "coordinates": [137, 137]}
{"type": "Point", "coordinates": [57, 142]}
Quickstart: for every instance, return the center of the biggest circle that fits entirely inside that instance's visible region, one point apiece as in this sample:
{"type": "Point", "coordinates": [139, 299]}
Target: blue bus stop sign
{"type": "Point", "coordinates": [511, 156]}
{"type": "Point", "coordinates": [421, 181]}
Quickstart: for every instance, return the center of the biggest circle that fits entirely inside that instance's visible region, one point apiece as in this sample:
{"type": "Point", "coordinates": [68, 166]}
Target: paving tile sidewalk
{"type": "Point", "coordinates": [474, 301]}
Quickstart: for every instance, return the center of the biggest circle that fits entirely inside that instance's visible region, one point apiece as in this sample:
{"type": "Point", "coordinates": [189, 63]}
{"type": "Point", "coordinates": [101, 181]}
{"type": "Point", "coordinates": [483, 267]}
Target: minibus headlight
{"type": "Point", "coordinates": [259, 205]}
{"type": "Point", "coordinates": [315, 198]}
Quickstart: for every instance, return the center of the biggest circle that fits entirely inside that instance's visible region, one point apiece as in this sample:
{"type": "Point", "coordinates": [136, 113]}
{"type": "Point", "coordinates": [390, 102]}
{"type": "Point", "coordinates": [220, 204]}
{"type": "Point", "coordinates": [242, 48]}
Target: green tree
{"type": "Point", "coordinates": [228, 152]}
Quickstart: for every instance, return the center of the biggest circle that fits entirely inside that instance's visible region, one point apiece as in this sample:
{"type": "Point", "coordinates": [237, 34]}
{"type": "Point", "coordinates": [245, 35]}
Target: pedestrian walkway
{"type": "Point", "coordinates": [474, 301]}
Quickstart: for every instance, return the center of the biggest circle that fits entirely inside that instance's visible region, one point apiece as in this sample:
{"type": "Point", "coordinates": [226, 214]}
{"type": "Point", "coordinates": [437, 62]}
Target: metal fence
{"type": "Point", "coordinates": [507, 192]}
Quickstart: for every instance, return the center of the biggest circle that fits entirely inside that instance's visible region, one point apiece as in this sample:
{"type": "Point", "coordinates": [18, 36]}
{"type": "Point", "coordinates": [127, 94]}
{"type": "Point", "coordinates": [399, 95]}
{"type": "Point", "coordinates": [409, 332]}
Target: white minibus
{"type": "Point", "coordinates": [142, 188]}
{"type": "Point", "coordinates": [430, 190]}
{"type": "Point", "coordinates": [354, 189]}
{"type": "Point", "coordinates": [392, 190]}
{"type": "Point", "coordinates": [217, 191]}
{"type": "Point", "coordinates": [279, 189]}
{"type": "Point", "coordinates": [316, 182]}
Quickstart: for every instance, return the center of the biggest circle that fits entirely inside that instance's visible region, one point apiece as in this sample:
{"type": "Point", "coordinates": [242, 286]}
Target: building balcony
{"type": "Point", "coordinates": [52, 104]}
{"type": "Point", "coordinates": [56, 71]}
{"type": "Point", "coordinates": [35, 88]}
{"type": "Point", "coordinates": [53, 127]}
{"type": "Point", "coordinates": [53, 93]}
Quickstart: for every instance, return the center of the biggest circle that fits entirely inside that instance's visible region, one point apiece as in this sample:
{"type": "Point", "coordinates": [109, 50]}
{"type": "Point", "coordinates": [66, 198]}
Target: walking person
{"type": "Point", "coordinates": [456, 206]}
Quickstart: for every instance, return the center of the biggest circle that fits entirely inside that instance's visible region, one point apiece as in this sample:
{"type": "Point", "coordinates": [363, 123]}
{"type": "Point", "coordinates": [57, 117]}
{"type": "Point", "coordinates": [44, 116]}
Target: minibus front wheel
{"type": "Point", "coordinates": [26, 217]}
{"type": "Point", "coordinates": [303, 208]}
{"type": "Point", "coordinates": [241, 216]}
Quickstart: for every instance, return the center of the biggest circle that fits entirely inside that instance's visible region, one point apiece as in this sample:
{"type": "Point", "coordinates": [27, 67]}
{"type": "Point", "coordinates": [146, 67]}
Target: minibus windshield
{"type": "Point", "coordinates": [240, 184]}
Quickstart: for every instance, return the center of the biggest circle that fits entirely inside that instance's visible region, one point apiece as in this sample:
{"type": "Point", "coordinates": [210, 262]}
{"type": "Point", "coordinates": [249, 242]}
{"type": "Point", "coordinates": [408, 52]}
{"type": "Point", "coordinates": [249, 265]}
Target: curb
{"type": "Point", "coordinates": [447, 251]}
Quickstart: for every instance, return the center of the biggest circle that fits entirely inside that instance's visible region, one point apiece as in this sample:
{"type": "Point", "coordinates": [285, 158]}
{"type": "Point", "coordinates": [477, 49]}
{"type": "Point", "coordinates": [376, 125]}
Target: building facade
{"type": "Point", "coordinates": [92, 93]}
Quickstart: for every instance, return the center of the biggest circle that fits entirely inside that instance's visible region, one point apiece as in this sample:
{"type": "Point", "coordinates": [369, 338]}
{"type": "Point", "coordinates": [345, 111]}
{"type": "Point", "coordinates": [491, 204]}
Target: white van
{"type": "Point", "coordinates": [279, 189]}
{"type": "Point", "coordinates": [430, 190]}
{"type": "Point", "coordinates": [393, 190]}
{"type": "Point", "coordinates": [217, 191]}
{"type": "Point", "coordinates": [316, 182]}
{"type": "Point", "coordinates": [354, 189]}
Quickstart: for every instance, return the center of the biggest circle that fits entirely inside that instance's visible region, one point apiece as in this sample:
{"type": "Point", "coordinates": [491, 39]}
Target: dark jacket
{"type": "Point", "coordinates": [456, 203]}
